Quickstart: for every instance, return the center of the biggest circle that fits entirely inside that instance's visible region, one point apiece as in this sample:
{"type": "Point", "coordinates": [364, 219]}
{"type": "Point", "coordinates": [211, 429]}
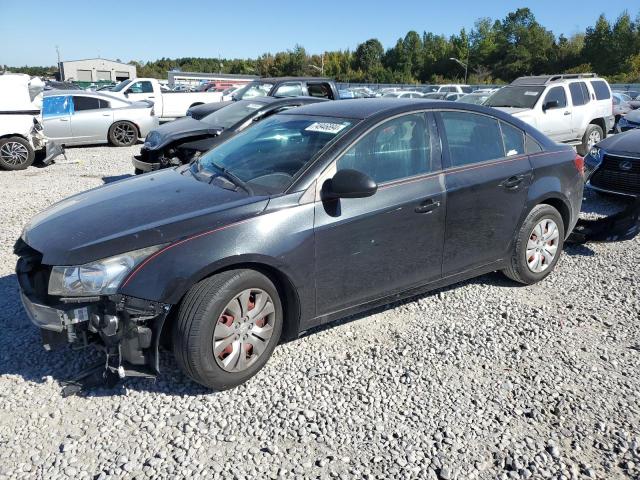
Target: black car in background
{"type": "Point", "coordinates": [177, 142]}
{"type": "Point", "coordinates": [613, 165]}
{"type": "Point", "coordinates": [311, 215]}
{"type": "Point", "coordinates": [200, 111]}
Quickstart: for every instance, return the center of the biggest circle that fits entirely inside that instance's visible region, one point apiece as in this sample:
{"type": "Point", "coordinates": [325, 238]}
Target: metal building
{"type": "Point", "coordinates": [194, 78]}
{"type": "Point", "coordinates": [96, 70]}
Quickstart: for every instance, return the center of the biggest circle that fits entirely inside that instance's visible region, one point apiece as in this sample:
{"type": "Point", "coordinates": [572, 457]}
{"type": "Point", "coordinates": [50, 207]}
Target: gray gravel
{"type": "Point", "coordinates": [481, 380]}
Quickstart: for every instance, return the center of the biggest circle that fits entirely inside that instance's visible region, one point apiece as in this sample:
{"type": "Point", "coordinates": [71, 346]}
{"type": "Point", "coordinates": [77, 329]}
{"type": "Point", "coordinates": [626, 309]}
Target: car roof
{"type": "Point", "coordinates": [543, 80]}
{"type": "Point", "coordinates": [289, 79]}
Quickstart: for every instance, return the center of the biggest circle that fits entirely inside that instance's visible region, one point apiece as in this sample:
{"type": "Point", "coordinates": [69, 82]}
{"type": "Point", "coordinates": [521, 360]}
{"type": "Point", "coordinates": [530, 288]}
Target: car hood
{"type": "Point", "coordinates": [628, 142]}
{"type": "Point", "coordinates": [185, 127]}
{"type": "Point", "coordinates": [513, 110]}
{"type": "Point", "coordinates": [633, 116]}
{"type": "Point", "coordinates": [134, 213]}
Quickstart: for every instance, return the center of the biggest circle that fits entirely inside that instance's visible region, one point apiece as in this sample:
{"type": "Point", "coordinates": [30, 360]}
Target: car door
{"type": "Point", "coordinates": [580, 99]}
{"type": "Point", "coordinates": [487, 177]}
{"type": "Point", "coordinates": [56, 115]}
{"type": "Point", "coordinates": [555, 120]}
{"type": "Point", "coordinates": [90, 120]}
{"type": "Point", "coordinates": [367, 248]}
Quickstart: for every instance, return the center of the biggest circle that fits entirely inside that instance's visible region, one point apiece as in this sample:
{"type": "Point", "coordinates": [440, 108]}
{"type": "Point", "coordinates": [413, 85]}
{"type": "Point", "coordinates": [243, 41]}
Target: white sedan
{"type": "Point", "coordinates": [81, 118]}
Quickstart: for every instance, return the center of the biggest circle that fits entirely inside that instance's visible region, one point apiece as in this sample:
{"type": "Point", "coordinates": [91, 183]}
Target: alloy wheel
{"type": "Point", "coordinates": [124, 133]}
{"type": "Point", "coordinates": [243, 330]}
{"type": "Point", "coordinates": [542, 245]}
{"type": "Point", "coordinates": [594, 137]}
{"type": "Point", "coordinates": [14, 153]}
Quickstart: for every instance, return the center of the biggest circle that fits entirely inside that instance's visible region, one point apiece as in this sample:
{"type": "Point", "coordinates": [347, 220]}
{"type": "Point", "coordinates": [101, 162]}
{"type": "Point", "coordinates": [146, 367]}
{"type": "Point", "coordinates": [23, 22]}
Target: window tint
{"type": "Point", "coordinates": [141, 87]}
{"type": "Point", "coordinates": [319, 90]}
{"type": "Point", "coordinates": [579, 94]}
{"type": "Point", "coordinates": [289, 90]}
{"type": "Point", "coordinates": [396, 149]}
{"type": "Point", "coordinates": [513, 139]}
{"type": "Point", "coordinates": [104, 104]}
{"type": "Point", "coordinates": [532, 146]}
{"type": "Point", "coordinates": [472, 138]}
{"type": "Point", "coordinates": [557, 94]}
{"type": "Point", "coordinates": [52, 106]}
{"type": "Point", "coordinates": [85, 103]}
{"type": "Point", "coordinates": [467, 89]}
{"type": "Point", "coordinates": [601, 89]}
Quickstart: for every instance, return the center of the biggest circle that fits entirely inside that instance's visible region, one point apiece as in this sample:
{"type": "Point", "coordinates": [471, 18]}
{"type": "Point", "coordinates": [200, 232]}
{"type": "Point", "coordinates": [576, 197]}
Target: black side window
{"type": "Point", "coordinates": [532, 146]}
{"type": "Point", "coordinates": [85, 103]}
{"type": "Point", "coordinates": [513, 139]}
{"type": "Point", "coordinates": [103, 104]}
{"type": "Point", "coordinates": [398, 148]}
{"type": "Point", "coordinates": [319, 90]}
{"type": "Point", "coordinates": [601, 89]}
{"type": "Point", "coordinates": [579, 93]}
{"type": "Point", "coordinates": [472, 138]}
{"type": "Point", "coordinates": [557, 94]}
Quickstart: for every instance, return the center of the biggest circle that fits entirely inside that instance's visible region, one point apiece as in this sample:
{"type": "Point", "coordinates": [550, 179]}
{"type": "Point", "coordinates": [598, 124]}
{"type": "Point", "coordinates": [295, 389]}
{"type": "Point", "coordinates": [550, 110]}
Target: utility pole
{"type": "Point", "coordinates": [59, 65]}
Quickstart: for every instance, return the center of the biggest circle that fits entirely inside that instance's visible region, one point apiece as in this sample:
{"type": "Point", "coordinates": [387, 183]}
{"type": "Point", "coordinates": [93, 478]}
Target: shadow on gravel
{"type": "Point", "coordinates": [115, 178]}
{"type": "Point", "coordinates": [576, 250]}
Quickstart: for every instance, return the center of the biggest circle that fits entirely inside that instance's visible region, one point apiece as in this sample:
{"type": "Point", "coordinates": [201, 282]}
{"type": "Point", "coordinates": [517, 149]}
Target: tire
{"type": "Point", "coordinates": [591, 136]}
{"type": "Point", "coordinates": [123, 134]}
{"type": "Point", "coordinates": [518, 268]}
{"type": "Point", "coordinates": [16, 153]}
{"type": "Point", "coordinates": [209, 308]}
{"type": "Point", "coordinates": [138, 171]}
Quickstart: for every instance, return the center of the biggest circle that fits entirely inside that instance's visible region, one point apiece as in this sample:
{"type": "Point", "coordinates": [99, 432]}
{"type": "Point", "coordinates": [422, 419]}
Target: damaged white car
{"type": "Point", "coordinates": [21, 134]}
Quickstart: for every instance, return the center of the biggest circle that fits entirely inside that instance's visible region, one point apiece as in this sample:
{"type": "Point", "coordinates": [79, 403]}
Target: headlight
{"type": "Point", "coordinates": [153, 139]}
{"type": "Point", "coordinates": [596, 153]}
{"type": "Point", "coordinates": [102, 277]}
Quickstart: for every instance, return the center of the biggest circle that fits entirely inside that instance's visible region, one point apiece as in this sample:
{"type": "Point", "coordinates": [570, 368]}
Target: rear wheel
{"type": "Point", "coordinates": [227, 327]}
{"type": "Point", "coordinates": [15, 153]}
{"type": "Point", "coordinates": [591, 136]}
{"type": "Point", "coordinates": [123, 134]}
{"type": "Point", "coordinates": [537, 247]}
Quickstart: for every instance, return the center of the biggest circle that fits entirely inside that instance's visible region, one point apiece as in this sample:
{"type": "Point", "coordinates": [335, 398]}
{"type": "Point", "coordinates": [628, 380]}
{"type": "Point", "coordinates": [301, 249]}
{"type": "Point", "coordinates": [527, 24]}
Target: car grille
{"type": "Point", "coordinates": [33, 276]}
{"type": "Point", "coordinates": [611, 176]}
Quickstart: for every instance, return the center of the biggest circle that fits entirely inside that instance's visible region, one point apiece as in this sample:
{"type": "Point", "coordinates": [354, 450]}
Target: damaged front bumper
{"type": "Point", "coordinates": [126, 328]}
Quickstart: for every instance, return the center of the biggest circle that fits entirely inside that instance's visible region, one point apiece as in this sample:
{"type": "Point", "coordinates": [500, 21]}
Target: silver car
{"type": "Point", "coordinates": [76, 117]}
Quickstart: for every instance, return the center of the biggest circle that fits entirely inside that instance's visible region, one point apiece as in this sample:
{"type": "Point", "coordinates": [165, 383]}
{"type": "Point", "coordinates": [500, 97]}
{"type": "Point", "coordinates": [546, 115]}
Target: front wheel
{"type": "Point", "coordinates": [591, 136]}
{"type": "Point", "coordinates": [15, 153]}
{"type": "Point", "coordinates": [227, 327]}
{"type": "Point", "coordinates": [537, 246]}
{"type": "Point", "coordinates": [123, 134]}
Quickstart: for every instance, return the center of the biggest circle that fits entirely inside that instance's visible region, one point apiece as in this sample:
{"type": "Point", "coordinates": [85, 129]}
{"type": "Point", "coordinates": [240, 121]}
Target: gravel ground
{"type": "Point", "coordinates": [480, 380]}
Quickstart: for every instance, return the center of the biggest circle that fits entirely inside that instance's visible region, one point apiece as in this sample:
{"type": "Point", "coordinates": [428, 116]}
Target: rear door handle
{"type": "Point", "coordinates": [512, 182]}
{"type": "Point", "coordinates": [427, 206]}
{"type": "Point", "coordinates": [63, 119]}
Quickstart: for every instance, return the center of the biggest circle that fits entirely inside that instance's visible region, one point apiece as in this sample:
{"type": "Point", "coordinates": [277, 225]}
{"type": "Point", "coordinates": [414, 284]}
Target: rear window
{"type": "Point", "coordinates": [602, 89]}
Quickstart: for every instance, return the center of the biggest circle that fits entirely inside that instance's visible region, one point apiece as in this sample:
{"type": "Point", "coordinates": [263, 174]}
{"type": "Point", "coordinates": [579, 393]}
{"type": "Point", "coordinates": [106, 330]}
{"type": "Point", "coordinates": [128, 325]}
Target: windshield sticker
{"type": "Point", "coordinates": [254, 106]}
{"type": "Point", "coordinates": [531, 94]}
{"type": "Point", "coordinates": [326, 127]}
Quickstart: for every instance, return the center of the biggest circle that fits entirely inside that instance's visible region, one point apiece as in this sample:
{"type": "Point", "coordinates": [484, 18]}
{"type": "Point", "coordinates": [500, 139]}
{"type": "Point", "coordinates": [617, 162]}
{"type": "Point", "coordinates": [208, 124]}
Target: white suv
{"type": "Point", "coordinates": [454, 88]}
{"type": "Point", "coordinates": [575, 109]}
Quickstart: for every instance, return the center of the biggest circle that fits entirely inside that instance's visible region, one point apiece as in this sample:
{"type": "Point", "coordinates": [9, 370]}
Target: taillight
{"type": "Point", "coordinates": [579, 163]}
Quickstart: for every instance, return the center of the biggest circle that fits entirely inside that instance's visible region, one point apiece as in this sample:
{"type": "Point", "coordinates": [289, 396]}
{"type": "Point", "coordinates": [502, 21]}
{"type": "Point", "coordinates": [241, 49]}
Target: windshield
{"type": "Point", "coordinates": [270, 154]}
{"type": "Point", "coordinates": [121, 86]}
{"type": "Point", "coordinates": [253, 89]}
{"type": "Point", "coordinates": [228, 116]}
{"type": "Point", "coordinates": [475, 99]}
{"type": "Point", "coordinates": [516, 97]}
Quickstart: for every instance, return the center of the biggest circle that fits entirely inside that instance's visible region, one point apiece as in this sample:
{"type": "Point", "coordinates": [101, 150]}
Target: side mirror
{"type": "Point", "coordinates": [126, 94]}
{"type": "Point", "coordinates": [550, 104]}
{"type": "Point", "coordinates": [351, 184]}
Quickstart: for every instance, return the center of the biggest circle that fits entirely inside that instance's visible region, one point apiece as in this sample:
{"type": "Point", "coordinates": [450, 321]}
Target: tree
{"type": "Point", "coordinates": [597, 50]}
{"type": "Point", "coordinates": [368, 58]}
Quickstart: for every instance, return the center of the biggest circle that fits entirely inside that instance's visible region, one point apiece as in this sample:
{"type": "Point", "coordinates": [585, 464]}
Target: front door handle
{"type": "Point", "coordinates": [63, 119]}
{"type": "Point", "coordinates": [512, 182]}
{"type": "Point", "coordinates": [427, 206]}
{"type": "Point", "coordinates": [567, 113]}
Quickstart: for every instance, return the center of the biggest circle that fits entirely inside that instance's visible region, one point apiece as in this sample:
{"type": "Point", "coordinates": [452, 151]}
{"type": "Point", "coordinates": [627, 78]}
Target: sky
{"type": "Point", "coordinates": [148, 30]}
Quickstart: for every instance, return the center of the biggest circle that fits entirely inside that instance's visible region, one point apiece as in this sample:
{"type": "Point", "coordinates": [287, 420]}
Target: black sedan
{"type": "Point", "coordinates": [313, 214]}
{"type": "Point", "coordinates": [178, 142]}
{"type": "Point", "coordinates": [613, 165]}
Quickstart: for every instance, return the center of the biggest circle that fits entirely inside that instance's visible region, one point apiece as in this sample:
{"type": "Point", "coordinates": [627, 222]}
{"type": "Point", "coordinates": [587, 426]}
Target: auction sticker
{"type": "Point", "coordinates": [326, 127]}
{"type": "Point", "coordinates": [531, 94]}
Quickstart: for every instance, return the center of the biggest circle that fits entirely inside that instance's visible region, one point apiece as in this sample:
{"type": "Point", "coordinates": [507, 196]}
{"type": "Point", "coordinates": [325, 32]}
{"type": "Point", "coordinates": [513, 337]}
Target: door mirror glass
{"type": "Point", "coordinates": [350, 183]}
{"type": "Point", "coordinates": [550, 104]}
